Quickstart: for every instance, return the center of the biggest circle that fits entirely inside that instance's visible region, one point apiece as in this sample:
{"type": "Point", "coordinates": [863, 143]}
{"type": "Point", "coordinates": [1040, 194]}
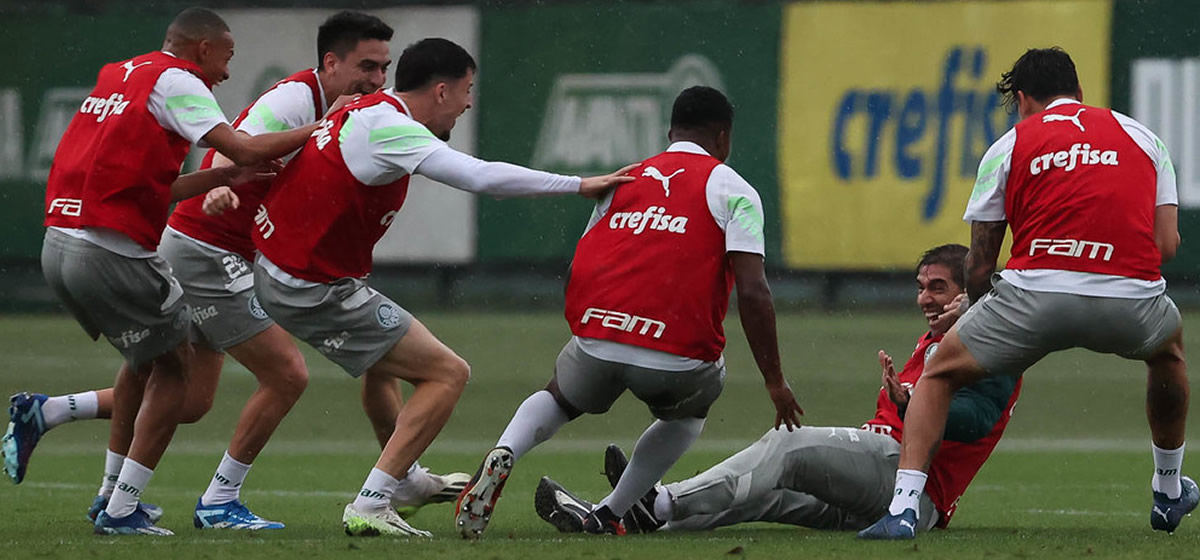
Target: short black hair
{"type": "Point", "coordinates": [1041, 74]}
{"type": "Point", "coordinates": [952, 256]}
{"type": "Point", "coordinates": [701, 107]}
{"type": "Point", "coordinates": [197, 24]}
{"type": "Point", "coordinates": [427, 60]}
{"type": "Point", "coordinates": [342, 32]}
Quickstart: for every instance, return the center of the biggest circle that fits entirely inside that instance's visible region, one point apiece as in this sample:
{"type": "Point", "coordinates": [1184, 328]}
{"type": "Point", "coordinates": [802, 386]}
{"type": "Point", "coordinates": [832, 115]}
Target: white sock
{"type": "Point", "coordinates": [536, 420]}
{"type": "Point", "coordinates": [130, 484]}
{"type": "Point", "coordinates": [1167, 463]}
{"type": "Point", "coordinates": [377, 491]}
{"type": "Point", "coordinates": [59, 410]}
{"type": "Point", "coordinates": [413, 487]}
{"type": "Point", "coordinates": [659, 447]}
{"type": "Point", "coordinates": [909, 485]}
{"type": "Point", "coordinates": [226, 483]}
{"type": "Point", "coordinates": [112, 469]}
{"type": "Point", "coordinates": [664, 508]}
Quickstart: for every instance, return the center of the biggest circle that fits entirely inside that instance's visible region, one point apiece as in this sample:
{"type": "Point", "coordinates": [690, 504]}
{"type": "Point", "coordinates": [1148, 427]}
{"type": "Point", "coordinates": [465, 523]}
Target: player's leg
{"type": "Point", "coordinates": [1167, 398]}
{"type": "Point", "coordinates": [382, 399]}
{"type": "Point", "coordinates": [581, 383]}
{"type": "Point", "coordinates": [137, 305]}
{"type": "Point", "coordinates": [282, 377]}
{"type": "Point", "coordinates": [439, 377]}
{"type": "Point", "coordinates": [680, 401]}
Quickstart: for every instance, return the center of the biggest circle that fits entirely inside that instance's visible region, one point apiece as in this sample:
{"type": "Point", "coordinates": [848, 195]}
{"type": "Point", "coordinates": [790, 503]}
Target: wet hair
{"type": "Point", "coordinates": [197, 24]}
{"type": "Point", "coordinates": [429, 60]}
{"type": "Point", "coordinates": [701, 107]}
{"type": "Point", "coordinates": [952, 256]}
{"type": "Point", "coordinates": [342, 32]}
{"type": "Point", "coordinates": [1041, 74]}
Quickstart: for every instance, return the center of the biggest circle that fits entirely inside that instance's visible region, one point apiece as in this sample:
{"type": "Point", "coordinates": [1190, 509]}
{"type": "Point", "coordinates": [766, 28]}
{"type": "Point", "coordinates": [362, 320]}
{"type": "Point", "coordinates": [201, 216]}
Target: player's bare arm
{"type": "Point", "coordinates": [200, 182]}
{"type": "Point", "coordinates": [986, 239]}
{"type": "Point", "coordinates": [757, 313]}
{"type": "Point", "coordinates": [246, 150]}
{"type": "Point", "coordinates": [1166, 230]}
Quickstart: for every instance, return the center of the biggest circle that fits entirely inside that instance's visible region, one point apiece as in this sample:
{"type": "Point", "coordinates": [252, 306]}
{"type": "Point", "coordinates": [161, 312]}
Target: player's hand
{"type": "Point", "coordinates": [950, 315]}
{"type": "Point", "coordinates": [891, 381]}
{"type": "Point", "coordinates": [595, 187]}
{"type": "Point", "coordinates": [340, 102]}
{"type": "Point", "coordinates": [787, 410]}
{"type": "Point", "coordinates": [218, 200]}
{"type": "Point", "coordinates": [237, 175]}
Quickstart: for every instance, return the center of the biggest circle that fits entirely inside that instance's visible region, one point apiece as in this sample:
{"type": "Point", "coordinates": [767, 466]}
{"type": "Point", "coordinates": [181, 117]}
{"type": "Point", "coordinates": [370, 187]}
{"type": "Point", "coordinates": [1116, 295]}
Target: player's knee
{"type": "Point", "coordinates": [195, 407]}
{"type": "Point", "coordinates": [291, 377]}
{"type": "Point", "coordinates": [456, 373]}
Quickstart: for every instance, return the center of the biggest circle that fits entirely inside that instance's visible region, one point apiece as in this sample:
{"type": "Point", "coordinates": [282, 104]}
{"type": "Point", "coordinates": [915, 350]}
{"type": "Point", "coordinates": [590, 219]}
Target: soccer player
{"type": "Point", "coordinates": [326, 210]}
{"type": "Point", "coordinates": [1090, 196]}
{"type": "Point", "coordinates": [830, 478]}
{"type": "Point", "coordinates": [115, 173]}
{"type": "Point", "coordinates": [646, 298]}
{"type": "Point", "coordinates": [211, 256]}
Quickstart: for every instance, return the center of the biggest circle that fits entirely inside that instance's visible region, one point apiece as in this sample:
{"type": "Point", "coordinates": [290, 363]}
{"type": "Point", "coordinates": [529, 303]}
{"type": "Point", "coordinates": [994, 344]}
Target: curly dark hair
{"type": "Point", "coordinates": [1041, 74]}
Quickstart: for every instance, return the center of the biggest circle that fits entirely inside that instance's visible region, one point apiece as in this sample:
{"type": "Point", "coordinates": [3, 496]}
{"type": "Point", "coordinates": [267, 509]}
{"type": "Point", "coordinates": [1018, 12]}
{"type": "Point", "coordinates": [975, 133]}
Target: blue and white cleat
{"type": "Point", "coordinates": [25, 427]}
{"type": "Point", "coordinates": [135, 523]}
{"type": "Point", "coordinates": [1166, 513]}
{"type": "Point", "coordinates": [153, 512]}
{"type": "Point", "coordinates": [892, 527]}
{"type": "Point", "coordinates": [230, 515]}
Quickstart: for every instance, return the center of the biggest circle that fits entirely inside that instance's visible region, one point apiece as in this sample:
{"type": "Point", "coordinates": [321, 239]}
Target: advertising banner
{"type": "Point", "coordinates": [886, 109]}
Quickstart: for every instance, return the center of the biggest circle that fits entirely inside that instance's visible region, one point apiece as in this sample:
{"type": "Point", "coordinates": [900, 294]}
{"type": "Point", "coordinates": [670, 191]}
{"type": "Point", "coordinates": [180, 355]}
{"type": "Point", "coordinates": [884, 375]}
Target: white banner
{"type": "Point", "coordinates": [437, 224]}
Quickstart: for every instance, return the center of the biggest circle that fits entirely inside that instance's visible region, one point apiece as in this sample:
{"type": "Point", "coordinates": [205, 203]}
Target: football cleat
{"type": "Point", "coordinates": [602, 521]}
{"type": "Point", "coordinates": [433, 489]}
{"type": "Point", "coordinates": [153, 512]}
{"type": "Point", "coordinates": [1166, 513]}
{"type": "Point", "coordinates": [375, 523]}
{"type": "Point", "coordinates": [136, 523]}
{"type": "Point", "coordinates": [478, 500]}
{"type": "Point", "coordinates": [892, 527]}
{"type": "Point", "coordinates": [559, 507]}
{"type": "Point", "coordinates": [230, 515]}
{"type": "Point", "coordinates": [640, 518]}
{"type": "Point", "coordinates": [25, 428]}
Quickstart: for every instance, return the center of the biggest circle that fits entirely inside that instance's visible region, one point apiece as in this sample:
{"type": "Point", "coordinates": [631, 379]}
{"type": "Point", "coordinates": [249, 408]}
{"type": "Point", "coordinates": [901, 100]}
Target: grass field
{"type": "Point", "coordinates": [1070, 480]}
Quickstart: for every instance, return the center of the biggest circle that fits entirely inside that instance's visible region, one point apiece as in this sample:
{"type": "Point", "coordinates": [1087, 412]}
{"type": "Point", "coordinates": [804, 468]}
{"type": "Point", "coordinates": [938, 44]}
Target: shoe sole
{"type": "Point", "coordinates": [615, 463]}
{"type": "Point", "coordinates": [478, 501]}
{"type": "Point", "coordinates": [546, 504]}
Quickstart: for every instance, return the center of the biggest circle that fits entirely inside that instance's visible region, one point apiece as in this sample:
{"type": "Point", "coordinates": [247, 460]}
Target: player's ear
{"type": "Point", "coordinates": [328, 60]}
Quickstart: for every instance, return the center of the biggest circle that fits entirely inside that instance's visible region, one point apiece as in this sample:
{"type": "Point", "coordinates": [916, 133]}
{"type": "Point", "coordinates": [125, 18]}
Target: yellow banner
{"type": "Point", "coordinates": [886, 109]}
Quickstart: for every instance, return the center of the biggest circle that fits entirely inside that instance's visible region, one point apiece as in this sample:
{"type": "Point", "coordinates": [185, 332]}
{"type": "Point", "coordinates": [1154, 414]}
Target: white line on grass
{"type": "Point", "coordinates": [560, 446]}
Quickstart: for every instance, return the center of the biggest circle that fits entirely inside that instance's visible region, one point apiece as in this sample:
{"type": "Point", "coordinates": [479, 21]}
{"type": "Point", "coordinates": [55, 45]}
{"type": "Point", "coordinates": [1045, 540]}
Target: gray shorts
{"type": "Point", "coordinates": [135, 303]}
{"type": "Point", "coordinates": [592, 385]}
{"type": "Point", "coordinates": [347, 321]}
{"type": "Point", "coordinates": [219, 287]}
{"type": "Point", "coordinates": [1010, 329]}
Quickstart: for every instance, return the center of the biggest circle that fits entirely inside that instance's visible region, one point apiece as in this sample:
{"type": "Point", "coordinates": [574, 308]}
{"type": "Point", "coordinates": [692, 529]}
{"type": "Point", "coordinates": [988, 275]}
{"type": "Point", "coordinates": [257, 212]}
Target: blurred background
{"type": "Point", "coordinates": [860, 123]}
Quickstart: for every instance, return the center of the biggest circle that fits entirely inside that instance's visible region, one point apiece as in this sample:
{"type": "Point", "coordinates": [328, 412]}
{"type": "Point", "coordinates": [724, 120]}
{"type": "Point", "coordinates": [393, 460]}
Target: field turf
{"type": "Point", "coordinates": [1071, 480]}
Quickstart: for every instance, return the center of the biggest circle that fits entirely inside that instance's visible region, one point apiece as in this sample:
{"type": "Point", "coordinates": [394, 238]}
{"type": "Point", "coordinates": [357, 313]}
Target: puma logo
{"type": "Point", "coordinates": [1074, 119]}
{"type": "Point", "coordinates": [657, 175]}
{"type": "Point", "coordinates": [1162, 513]}
{"type": "Point", "coordinates": [129, 67]}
